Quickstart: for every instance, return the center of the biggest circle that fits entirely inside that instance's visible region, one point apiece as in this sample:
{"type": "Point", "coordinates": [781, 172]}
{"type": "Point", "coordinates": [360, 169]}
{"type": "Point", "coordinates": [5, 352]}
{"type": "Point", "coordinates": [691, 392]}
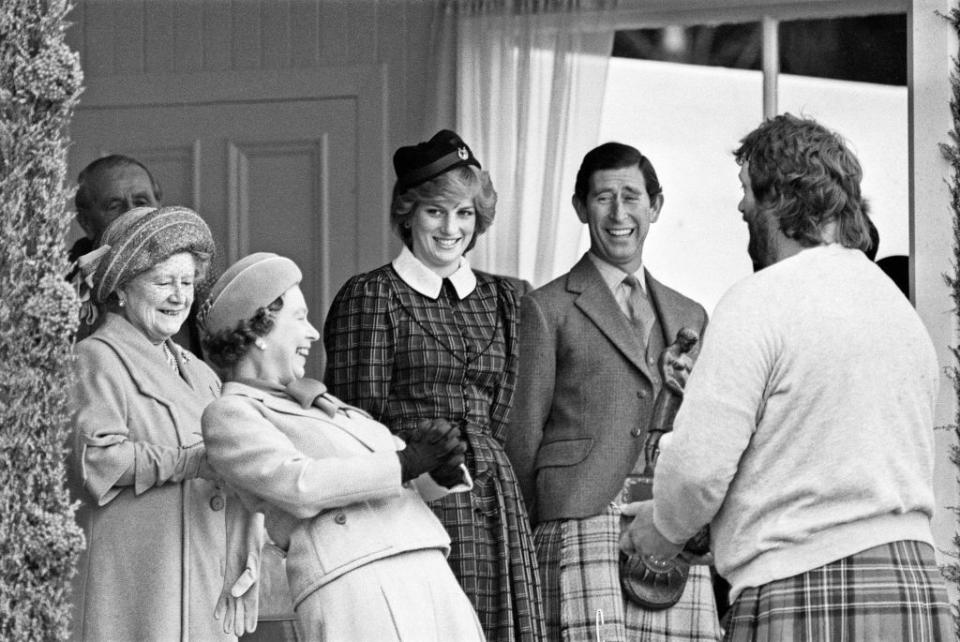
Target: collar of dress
{"type": "Point", "coordinates": [427, 282]}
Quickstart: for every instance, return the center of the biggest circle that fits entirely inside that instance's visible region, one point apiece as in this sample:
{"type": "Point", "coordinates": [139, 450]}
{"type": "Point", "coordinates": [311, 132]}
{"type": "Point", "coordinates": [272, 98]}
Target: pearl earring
{"type": "Point", "coordinates": [260, 343]}
{"type": "Point", "coordinates": [122, 302]}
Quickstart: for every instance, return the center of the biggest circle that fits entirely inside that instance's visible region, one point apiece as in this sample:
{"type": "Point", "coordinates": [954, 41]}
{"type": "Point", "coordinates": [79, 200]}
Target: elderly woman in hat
{"type": "Point", "coordinates": [151, 508]}
{"type": "Point", "coordinates": [365, 556]}
{"type": "Point", "coordinates": [427, 337]}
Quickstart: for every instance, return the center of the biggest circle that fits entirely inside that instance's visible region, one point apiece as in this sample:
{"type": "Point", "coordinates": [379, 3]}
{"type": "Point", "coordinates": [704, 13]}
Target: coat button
{"type": "Point", "coordinates": [217, 502]}
{"type": "Point", "coordinates": [340, 518]}
{"type": "Point", "coordinates": [641, 394]}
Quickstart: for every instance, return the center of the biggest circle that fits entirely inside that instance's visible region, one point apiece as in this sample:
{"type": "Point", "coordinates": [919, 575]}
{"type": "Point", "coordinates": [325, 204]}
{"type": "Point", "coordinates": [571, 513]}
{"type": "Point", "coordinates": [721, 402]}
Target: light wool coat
{"type": "Point", "coordinates": [365, 555]}
{"type": "Point", "coordinates": [152, 568]}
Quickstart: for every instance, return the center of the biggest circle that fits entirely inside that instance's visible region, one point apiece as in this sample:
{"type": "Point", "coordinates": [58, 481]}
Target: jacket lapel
{"type": "Point", "coordinates": [153, 377]}
{"type": "Point", "coordinates": [670, 311]}
{"type": "Point", "coordinates": [355, 425]}
{"type": "Point", "coordinates": [146, 365]}
{"type": "Point", "coordinates": [596, 301]}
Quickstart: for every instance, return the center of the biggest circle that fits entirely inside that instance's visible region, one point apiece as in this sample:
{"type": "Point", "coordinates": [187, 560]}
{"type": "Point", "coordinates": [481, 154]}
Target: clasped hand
{"type": "Point", "coordinates": [433, 445]}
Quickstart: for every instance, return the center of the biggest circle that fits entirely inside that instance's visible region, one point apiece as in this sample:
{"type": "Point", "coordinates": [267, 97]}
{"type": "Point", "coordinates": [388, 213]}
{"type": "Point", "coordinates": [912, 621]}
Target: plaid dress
{"type": "Point", "coordinates": [889, 592]}
{"type": "Point", "coordinates": [402, 357]}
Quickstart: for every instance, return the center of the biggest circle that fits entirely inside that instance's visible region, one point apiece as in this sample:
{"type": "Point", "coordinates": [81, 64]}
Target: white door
{"type": "Point", "coordinates": [268, 173]}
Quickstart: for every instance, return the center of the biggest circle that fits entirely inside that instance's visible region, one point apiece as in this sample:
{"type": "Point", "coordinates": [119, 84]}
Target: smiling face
{"type": "Point", "coordinates": [283, 358]}
{"type": "Point", "coordinates": [157, 301]}
{"type": "Point", "coordinates": [441, 231]}
{"type": "Point", "coordinates": [618, 212]}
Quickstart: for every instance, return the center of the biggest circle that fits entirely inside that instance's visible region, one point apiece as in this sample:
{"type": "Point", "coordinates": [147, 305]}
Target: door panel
{"type": "Point", "coordinates": [265, 175]}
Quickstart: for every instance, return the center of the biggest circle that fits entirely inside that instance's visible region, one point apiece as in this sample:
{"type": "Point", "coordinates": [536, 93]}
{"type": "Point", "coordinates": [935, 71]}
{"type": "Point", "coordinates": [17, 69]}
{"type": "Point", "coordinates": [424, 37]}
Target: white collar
{"type": "Point", "coordinates": [427, 282]}
{"type": "Point", "coordinates": [614, 276]}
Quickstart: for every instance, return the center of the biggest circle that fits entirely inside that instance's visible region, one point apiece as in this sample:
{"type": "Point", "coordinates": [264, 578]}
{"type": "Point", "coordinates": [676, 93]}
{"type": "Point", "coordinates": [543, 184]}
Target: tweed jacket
{"type": "Point", "coordinates": [329, 487]}
{"type": "Point", "coordinates": [153, 565]}
{"type": "Point", "coordinates": [585, 382]}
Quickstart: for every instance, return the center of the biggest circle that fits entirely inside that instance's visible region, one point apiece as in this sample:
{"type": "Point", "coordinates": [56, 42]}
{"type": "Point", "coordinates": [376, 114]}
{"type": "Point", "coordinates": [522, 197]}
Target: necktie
{"type": "Point", "coordinates": [640, 312]}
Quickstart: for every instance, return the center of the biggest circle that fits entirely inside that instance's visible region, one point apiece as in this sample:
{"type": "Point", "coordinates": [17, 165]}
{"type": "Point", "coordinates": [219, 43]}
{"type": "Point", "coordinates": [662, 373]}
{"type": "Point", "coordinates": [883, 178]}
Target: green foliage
{"type": "Point", "coordinates": [40, 81]}
{"type": "Point", "coordinates": [951, 151]}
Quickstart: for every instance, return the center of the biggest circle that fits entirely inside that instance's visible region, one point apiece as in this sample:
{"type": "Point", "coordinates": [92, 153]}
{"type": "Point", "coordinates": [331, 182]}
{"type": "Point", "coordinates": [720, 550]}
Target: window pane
{"type": "Point", "coordinates": [850, 75]}
{"type": "Point", "coordinates": [688, 119]}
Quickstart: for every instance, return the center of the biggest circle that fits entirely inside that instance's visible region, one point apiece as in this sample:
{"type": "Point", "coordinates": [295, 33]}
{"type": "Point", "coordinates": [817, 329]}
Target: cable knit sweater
{"type": "Point", "coordinates": [806, 431]}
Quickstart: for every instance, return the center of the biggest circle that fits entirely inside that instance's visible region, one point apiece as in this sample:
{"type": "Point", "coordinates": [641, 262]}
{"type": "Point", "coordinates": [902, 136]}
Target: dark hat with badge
{"type": "Point", "coordinates": [419, 163]}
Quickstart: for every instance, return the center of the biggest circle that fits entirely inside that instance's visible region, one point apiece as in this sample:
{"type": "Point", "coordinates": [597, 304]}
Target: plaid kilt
{"type": "Point", "coordinates": [890, 592]}
{"type": "Point", "coordinates": [579, 567]}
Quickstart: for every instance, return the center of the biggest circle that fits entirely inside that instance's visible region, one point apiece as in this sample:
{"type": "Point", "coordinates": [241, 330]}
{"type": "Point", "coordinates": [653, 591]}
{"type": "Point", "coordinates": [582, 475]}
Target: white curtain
{"type": "Point", "coordinates": [524, 82]}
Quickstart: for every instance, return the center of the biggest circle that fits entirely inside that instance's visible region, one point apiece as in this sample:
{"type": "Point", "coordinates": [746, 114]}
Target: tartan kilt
{"type": "Point", "coordinates": [579, 568]}
{"type": "Point", "coordinates": [889, 592]}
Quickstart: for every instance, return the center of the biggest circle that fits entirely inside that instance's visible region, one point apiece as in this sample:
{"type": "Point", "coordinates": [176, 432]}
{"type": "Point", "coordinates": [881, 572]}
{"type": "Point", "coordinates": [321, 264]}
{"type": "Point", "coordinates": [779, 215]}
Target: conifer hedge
{"type": "Point", "coordinates": [40, 81]}
{"type": "Point", "coordinates": [951, 152]}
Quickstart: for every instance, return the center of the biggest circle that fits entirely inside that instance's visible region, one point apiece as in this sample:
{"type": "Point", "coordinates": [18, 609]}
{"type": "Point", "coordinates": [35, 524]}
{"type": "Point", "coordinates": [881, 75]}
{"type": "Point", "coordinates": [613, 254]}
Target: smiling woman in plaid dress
{"type": "Point", "coordinates": [426, 337]}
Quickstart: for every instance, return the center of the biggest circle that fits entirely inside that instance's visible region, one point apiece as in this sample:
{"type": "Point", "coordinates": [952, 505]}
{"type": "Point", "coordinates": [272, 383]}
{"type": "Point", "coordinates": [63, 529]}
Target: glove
{"type": "Point", "coordinates": [237, 605]}
{"type": "Point", "coordinates": [447, 474]}
{"type": "Point", "coordinates": [433, 442]}
{"type": "Point", "coordinates": [193, 464]}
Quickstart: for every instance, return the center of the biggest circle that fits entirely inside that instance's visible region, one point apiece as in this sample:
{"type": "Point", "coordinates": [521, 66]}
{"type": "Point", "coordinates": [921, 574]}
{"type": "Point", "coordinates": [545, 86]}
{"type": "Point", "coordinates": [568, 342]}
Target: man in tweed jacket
{"type": "Point", "coordinates": [589, 345]}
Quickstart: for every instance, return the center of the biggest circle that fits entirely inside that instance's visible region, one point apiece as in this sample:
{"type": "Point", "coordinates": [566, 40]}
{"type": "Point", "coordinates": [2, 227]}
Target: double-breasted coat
{"type": "Point", "coordinates": [328, 483]}
{"type": "Point", "coordinates": [155, 550]}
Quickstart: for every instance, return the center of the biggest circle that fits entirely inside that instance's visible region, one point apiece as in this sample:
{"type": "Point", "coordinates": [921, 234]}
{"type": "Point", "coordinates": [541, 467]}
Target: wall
{"type": "Point", "coordinates": [124, 37]}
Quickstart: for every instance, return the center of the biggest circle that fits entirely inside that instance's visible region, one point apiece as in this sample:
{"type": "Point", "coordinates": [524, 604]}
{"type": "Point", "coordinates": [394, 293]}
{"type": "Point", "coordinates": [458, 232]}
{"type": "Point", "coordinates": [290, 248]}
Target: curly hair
{"type": "Point", "coordinates": [459, 183]}
{"type": "Point", "coordinates": [806, 176]}
{"type": "Point", "coordinates": [226, 348]}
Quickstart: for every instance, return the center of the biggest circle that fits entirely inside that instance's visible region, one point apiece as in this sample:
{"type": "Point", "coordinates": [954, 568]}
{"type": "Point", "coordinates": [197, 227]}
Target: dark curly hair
{"type": "Point", "coordinates": [807, 177]}
{"type": "Point", "coordinates": [227, 347]}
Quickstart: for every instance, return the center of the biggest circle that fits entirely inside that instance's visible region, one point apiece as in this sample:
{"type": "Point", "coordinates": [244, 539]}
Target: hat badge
{"type": "Point", "coordinates": [463, 153]}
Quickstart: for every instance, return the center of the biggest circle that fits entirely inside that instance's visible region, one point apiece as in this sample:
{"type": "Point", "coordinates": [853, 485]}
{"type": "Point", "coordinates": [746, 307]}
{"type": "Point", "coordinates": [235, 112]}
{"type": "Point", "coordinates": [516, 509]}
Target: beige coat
{"type": "Point", "coordinates": [152, 569]}
{"type": "Point", "coordinates": [329, 486]}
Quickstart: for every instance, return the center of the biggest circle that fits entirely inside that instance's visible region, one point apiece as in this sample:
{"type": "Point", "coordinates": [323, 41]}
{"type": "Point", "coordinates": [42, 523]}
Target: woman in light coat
{"type": "Point", "coordinates": [151, 508]}
{"type": "Point", "coordinates": [366, 558]}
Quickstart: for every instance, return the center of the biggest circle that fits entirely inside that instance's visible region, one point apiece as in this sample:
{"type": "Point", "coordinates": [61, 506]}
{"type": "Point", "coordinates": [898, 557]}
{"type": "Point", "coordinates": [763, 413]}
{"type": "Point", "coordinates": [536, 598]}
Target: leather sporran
{"type": "Point", "coordinates": [651, 584]}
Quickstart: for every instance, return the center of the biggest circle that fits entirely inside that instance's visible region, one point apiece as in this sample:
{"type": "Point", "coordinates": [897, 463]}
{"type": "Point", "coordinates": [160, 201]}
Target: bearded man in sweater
{"type": "Point", "coordinates": [805, 438]}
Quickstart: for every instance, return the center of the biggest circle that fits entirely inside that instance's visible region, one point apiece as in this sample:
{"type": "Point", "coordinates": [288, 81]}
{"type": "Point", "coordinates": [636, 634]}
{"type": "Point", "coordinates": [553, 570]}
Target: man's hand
{"type": "Point", "coordinates": [641, 537]}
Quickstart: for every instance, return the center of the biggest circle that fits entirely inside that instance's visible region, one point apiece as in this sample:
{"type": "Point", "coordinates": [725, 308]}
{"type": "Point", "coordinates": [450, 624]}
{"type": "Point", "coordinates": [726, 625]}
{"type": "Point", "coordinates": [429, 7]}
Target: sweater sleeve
{"type": "Point", "coordinates": [253, 455]}
{"type": "Point", "coordinates": [722, 402]}
{"type": "Point", "coordinates": [504, 392]}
